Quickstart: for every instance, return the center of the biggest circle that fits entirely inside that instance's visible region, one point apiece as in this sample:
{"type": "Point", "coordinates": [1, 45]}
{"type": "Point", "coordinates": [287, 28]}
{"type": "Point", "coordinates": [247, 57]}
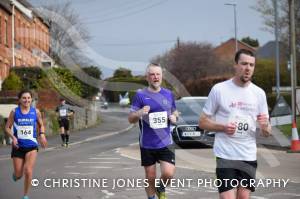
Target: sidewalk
{"type": "Point", "coordinates": [109, 125]}
{"type": "Point", "coordinates": [276, 141]}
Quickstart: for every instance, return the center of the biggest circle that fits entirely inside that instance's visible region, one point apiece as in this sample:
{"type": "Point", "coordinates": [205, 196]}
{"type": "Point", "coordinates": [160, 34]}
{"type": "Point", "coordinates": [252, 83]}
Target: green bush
{"type": "Point", "coordinates": [25, 77]}
{"type": "Point", "coordinates": [265, 75]}
{"type": "Point", "coordinates": [69, 80]}
{"type": "Point", "coordinates": [12, 82]}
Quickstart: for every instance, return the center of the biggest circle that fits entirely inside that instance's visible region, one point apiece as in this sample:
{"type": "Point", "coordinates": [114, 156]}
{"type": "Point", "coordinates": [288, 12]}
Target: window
{"type": "Point", "coordinates": [27, 35]}
{"type": "Point", "coordinates": [6, 32]}
{"type": "Point", "coordinates": [19, 31]}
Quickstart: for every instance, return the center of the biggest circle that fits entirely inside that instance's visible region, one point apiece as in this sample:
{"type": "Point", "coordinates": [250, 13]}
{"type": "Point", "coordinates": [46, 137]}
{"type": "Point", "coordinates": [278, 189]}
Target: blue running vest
{"type": "Point", "coordinates": [25, 128]}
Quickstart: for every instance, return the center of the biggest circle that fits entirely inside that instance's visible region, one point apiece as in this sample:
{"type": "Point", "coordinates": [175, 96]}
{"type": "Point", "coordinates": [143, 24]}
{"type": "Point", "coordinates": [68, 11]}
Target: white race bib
{"type": "Point", "coordinates": [25, 132]}
{"type": "Point", "coordinates": [63, 112]}
{"type": "Point", "coordinates": [158, 120]}
{"type": "Point", "coordinates": [244, 125]}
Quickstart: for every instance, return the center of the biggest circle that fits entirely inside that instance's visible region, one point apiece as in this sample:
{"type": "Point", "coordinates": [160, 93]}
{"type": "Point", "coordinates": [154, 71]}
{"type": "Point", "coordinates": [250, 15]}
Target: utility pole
{"type": "Point", "coordinates": [178, 42]}
{"type": "Point", "coordinates": [235, 24]}
{"type": "Point", "coordinates": [293, 57]}
{"type": "Point", "coordinates": [13, 33]}
{"type": "Point", "coordinates": [277, 51]}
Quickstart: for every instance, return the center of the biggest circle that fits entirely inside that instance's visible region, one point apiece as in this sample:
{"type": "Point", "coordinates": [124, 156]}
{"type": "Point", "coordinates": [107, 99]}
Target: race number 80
{"type": "Point", "coordinates": [243, 126]}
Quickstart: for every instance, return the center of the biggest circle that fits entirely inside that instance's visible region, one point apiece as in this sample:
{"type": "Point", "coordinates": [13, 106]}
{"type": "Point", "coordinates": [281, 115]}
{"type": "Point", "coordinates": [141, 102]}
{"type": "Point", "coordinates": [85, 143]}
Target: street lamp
{"type": "Point", "coordinates": [235, 24]}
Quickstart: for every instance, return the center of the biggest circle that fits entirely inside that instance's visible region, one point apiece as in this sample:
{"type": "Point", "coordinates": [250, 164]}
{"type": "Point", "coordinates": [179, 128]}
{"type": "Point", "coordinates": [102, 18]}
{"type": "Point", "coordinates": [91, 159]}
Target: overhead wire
{"type": "Point", "coordinates": [127, 14]}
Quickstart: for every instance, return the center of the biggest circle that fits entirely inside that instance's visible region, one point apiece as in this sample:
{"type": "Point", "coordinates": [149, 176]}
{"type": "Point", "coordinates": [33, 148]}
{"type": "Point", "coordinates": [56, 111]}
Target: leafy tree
{"type": "Point", "coordinates": [93, 71]}
{"type": "Point", "coordinates": [250, 41]}
{"type": "Point", "coordinates": [122, 72]}
{"type": "Point", "coordinates": [12, 82]}
{"type": "Point", "coordinates": [89, 91]}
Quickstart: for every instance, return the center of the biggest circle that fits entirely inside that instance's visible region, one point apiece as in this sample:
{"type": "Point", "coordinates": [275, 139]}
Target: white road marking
{"type": "Point", "coordinates": [102, 136]}
{"type": "Point", "coordinates": [283, 194]}
{"type": "Point", "coordinates": [7, 158]}
{"type": "Point", "coordinates": [97, 167]}
{"type": "Point", "coordinates": [75, 173]}
{"type": "Point", "coordinates": [175, 192]}
{"type": "Point", "coordinates": [69, 167]}
{"type": "Point", "coordinates": [107, 193]}
{"type": "Point", "coordinates": [133, 144]}
{"type": "Point", "coordinates": [100, 162]}
{"type": "Point", "coordinates": [104, 158]}
{"type": "Point", "coordinates": [126, 168]}
{"type": "Point", "coordinates": [258, 197]}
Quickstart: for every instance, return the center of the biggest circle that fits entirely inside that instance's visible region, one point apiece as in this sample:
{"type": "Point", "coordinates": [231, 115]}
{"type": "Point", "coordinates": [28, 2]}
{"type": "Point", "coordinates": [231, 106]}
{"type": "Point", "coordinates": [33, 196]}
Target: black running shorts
{"type": "Point", "coordinates": [21, 152]}
{"type": "Point", "coordinates": [235, 173]}
{"type": "Point", "coordinates": [151, 156]}
{"type": "Point", "coordinates": [64, 122]}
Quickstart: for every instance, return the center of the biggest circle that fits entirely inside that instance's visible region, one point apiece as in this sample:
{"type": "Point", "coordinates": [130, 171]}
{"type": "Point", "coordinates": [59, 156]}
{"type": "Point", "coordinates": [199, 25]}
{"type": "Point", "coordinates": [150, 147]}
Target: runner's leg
{"type": "Point", "coordinates": [150, 174]}
{"type": "Point", "coordinates": [167, 171]}
{"type": "Point", "coordinates": [30, 159]}
{"type": "Point", "coordinates": [18, 164]}
{"type": "Point", "coordinates": [243, 193]}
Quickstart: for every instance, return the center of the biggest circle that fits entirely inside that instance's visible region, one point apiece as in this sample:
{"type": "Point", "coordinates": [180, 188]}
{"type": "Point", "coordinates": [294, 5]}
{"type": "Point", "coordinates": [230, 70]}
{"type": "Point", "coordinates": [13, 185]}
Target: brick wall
{"type": "Point", "coordinates": [30, 34]}
{"type": "Point", "coordinates": [48, 99]}
{"type": "Point", "coordinates": [5, 52]}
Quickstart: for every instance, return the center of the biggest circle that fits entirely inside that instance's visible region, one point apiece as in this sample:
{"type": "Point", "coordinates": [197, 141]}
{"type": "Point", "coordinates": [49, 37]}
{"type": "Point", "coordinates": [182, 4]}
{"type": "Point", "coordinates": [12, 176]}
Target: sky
{"type": "Point", "coordinates": [129, 33]}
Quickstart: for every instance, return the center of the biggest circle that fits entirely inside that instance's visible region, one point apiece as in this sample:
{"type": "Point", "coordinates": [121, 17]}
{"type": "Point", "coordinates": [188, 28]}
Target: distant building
{"type": "Point", "coordinates": [24, 37]}
{"type": "Point", "coordinates": [226, 50]}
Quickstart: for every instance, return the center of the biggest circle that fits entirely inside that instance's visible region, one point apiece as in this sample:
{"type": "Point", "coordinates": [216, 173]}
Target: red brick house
{"type": "Point", "coordinates": [24, 37]}
{"type": "Point", "coordinates": [226, 50]}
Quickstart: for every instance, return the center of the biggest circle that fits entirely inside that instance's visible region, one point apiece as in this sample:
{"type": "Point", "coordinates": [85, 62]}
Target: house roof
{"type": "Point", "coordinates": [240, 45]}
{"type": "Point", "coordinates": [5, 4]}
{"type": "Point", "coordinates": [267, 51]}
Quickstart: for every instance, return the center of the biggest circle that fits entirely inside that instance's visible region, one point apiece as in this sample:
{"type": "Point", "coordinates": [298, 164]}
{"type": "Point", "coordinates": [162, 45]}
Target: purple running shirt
{"type": "Point", "coordinates": [155, 127]}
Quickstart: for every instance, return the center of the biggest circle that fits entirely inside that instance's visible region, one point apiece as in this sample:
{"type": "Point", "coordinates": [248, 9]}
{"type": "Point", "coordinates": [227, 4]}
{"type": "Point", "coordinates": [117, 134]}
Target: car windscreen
{"type": "Point", "coordinates": [190, 107]}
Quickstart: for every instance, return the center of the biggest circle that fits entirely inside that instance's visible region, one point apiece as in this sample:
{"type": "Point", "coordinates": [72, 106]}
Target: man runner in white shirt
{"type": "Point", "coordinates": [232, 110]}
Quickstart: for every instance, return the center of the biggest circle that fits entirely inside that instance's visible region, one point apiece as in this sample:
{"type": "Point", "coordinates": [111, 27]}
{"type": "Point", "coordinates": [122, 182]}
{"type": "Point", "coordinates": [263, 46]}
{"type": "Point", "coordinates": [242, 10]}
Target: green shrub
{"type": "Point", "coordinates": [265, 75]}
{"type": "Point", "coordinates": [12, 82]}
{"type": "Point", "coordinates": [69, 80]}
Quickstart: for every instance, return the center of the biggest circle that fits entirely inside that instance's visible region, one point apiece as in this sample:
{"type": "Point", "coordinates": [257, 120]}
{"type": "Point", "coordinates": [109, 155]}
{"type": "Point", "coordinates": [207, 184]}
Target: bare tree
{"type": "Point", "coordinates": [62, 42]}
{"type": "Point", "coordinates": [267, 11]}
{"type": "Point", "coordinates": [190, 61]}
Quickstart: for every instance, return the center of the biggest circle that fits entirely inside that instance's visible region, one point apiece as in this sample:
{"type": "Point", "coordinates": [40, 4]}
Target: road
{"type": "Point", "coordinates": [104, 163]}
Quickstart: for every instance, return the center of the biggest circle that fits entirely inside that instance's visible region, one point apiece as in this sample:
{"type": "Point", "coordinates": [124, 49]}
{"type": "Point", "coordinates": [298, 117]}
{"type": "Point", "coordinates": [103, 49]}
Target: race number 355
{"type": "Point", "coordinates": [158, 120]}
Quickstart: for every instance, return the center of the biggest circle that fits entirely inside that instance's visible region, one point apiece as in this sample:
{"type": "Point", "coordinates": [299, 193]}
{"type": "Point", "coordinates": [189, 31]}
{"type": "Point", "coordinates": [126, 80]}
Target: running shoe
{"type": "Point", "coordinates": [14, 177]}
{"type": "Point", "coordinates": [161, 195]}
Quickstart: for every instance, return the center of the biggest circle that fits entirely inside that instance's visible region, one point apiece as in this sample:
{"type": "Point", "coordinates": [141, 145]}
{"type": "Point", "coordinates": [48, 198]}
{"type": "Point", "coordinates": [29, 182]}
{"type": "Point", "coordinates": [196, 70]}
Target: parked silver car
{"type": "Point", "coordinates": [187, 131]}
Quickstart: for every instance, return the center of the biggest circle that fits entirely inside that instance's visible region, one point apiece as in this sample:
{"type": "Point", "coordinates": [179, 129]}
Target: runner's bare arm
{"type": "Point", "coordinates": [207, 123]}
{"type": "Point", "coordinates": [134, 117]}
{"type": "Point", "coordinates": [42, 136]}
{"type": "Point", "coordinates": [9, 123]}
{"type": "Point", "coordinates": [8, 130]}
{"type": "Point", "coordinates": [264, 124]}
{"type": "Point", "coordinates": [173, 117]}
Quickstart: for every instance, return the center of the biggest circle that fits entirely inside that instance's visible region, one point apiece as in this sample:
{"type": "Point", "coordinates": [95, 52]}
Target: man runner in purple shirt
{"type": "Point", "coordinates": [154, 108]}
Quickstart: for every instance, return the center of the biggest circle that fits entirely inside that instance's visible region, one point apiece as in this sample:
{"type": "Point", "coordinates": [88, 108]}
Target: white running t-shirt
{"type": "Point", "coordinates": [228, 102]}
